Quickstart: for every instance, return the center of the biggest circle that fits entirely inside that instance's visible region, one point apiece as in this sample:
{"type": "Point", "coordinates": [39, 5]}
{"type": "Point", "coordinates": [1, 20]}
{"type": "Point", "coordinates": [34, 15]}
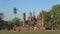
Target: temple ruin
{"type": "Point", "coordinates": [34, 22]}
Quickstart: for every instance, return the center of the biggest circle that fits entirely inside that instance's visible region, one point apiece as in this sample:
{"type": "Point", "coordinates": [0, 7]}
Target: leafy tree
{"type": "Point", "coordinates": [1, 20]}
{"type": "Point", "coordinates": [56, 8]}
{"type": "Point", "coordinates": [16, 20]}
{"type": "Point", "coordinates": [1, 16]}
{"type": "Point", "coordinates": [47, 20]}
{"type": "Point", "coordinates": [52, 17]}
{"type": "Point", "coordinates": [55, 15]}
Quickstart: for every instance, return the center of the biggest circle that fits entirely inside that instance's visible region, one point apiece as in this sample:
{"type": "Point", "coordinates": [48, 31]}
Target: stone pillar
{"type": "Point", "coordinates": [24, 19]}
{"type": "Point", "coordinates": [42, 20]}
{"type": "Point", "coordinates": [39, 21]}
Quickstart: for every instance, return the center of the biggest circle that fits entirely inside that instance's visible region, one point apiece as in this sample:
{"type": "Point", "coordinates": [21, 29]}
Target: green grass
{"type": "Point", "coordinates": [42, 32]}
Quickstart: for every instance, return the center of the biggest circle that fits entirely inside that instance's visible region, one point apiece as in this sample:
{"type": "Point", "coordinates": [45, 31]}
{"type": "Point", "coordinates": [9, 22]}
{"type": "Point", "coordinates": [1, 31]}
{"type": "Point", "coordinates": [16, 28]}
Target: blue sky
{"type": "Point", "coordinates": [27, 6]}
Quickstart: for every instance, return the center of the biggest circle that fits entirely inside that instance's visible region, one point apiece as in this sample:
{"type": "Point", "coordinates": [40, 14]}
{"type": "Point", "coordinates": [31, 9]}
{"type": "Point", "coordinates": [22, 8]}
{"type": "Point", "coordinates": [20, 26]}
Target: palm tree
{"type": "Point", "coordinates": [15, 11]}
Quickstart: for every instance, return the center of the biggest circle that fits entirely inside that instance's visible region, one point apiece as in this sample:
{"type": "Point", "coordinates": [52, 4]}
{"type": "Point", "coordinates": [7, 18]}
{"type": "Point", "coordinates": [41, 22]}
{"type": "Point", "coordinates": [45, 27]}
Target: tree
{"type": "Point", "coordinates": [16, 20]}
{"type": "Point", "coordinates": [56, 8]}
{"type": "Point", "coordinates": [55, 15]}
{"type": "Point", "coordinates": [1, 16]}
{"type": "Point", "coordinates": [47, 20]}
{"type": "Point", "coordinates": [15, 11]}
{"type": "Point", "coordinates": [1, 20]}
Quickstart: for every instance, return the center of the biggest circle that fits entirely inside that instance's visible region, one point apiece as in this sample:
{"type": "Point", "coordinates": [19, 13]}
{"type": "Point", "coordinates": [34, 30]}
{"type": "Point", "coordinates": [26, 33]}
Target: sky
{"type": "Point", "coordinates": [27, 6]}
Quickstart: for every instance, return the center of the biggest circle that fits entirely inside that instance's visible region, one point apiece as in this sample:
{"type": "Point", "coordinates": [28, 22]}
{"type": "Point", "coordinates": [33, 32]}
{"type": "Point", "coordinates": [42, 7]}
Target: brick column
{"type": "Point", "coordinates": [42, 20]}
{"type": "Point", "coordinates": [24, 19]}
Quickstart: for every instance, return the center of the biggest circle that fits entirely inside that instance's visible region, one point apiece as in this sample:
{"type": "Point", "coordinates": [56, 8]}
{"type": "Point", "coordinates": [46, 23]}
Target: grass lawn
{"type": "Point", "coordinates": [41, 32]}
